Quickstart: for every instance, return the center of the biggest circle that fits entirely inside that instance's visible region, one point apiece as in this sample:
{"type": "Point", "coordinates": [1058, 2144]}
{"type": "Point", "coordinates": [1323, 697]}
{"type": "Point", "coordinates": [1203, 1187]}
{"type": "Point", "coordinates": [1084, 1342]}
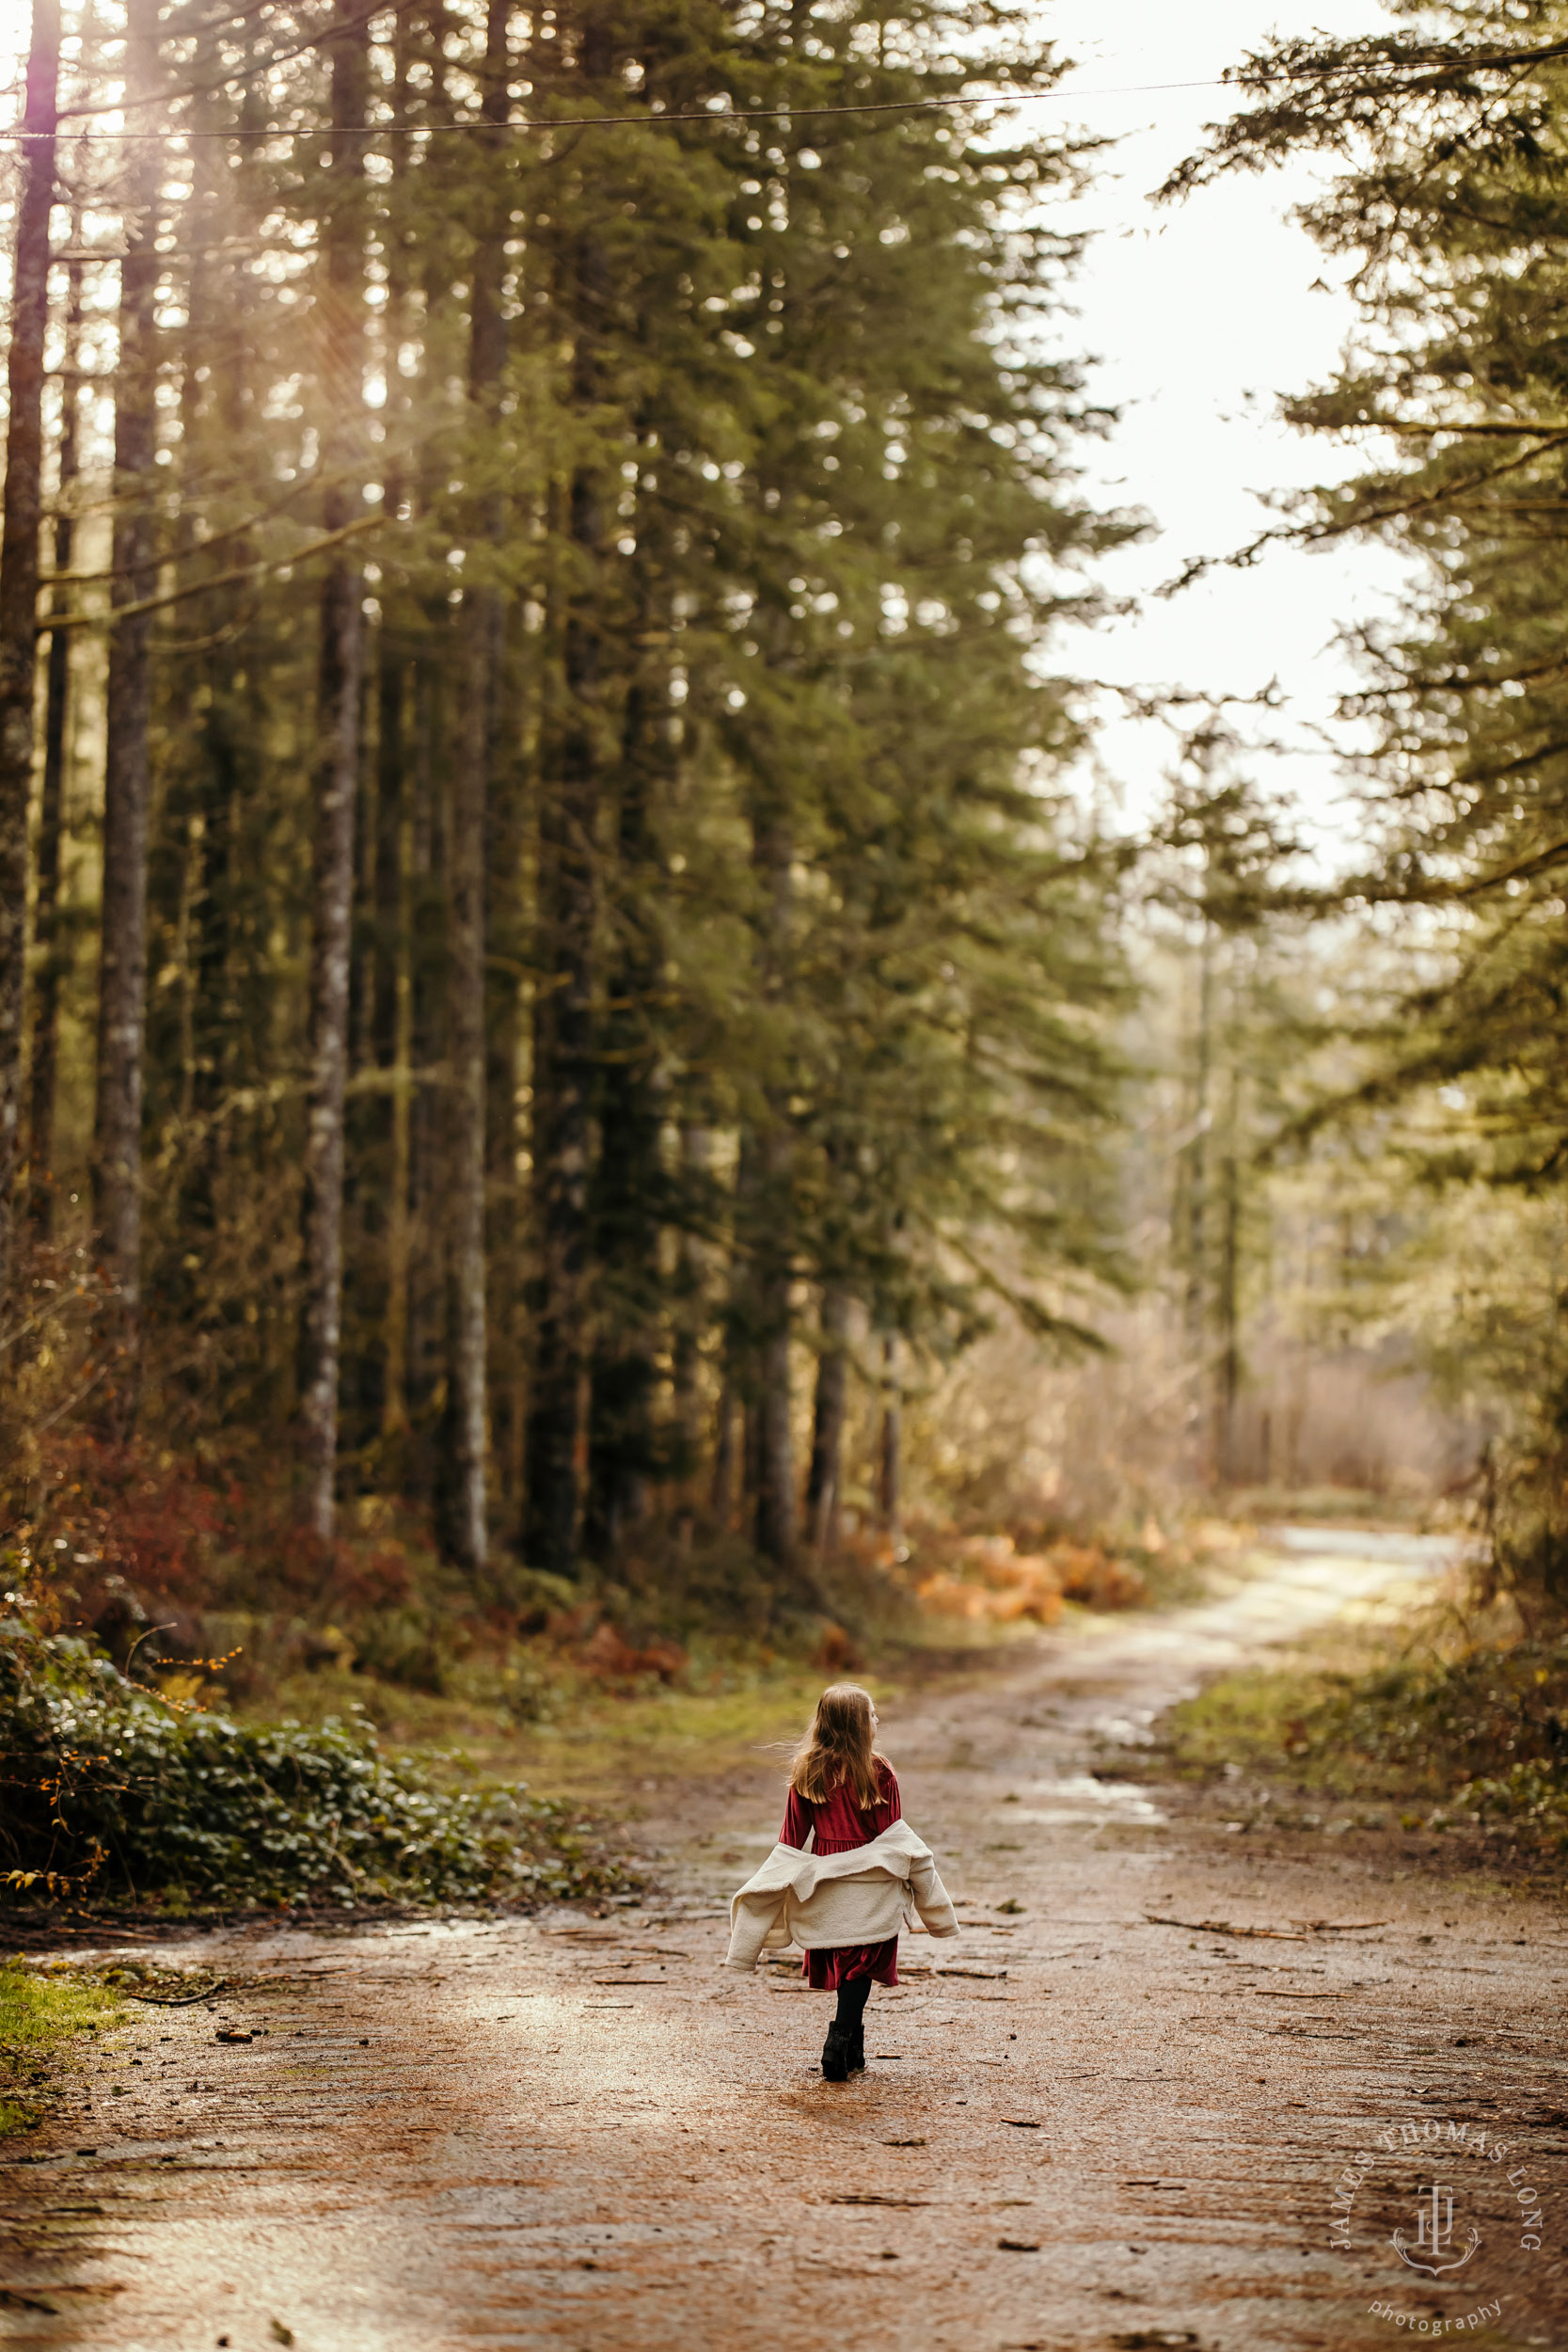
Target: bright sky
{"type": "Point", "coordinates": [1201, 317]}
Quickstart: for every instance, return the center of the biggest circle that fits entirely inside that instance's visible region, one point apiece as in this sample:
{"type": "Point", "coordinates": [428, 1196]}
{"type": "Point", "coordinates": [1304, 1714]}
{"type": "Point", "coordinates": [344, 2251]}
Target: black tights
{"type": "Point", "coordinates": [852, 1998]}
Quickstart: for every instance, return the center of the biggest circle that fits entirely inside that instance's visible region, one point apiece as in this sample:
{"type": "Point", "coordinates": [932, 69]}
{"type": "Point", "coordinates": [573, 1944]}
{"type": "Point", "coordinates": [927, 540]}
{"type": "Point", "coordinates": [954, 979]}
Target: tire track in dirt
{"type": "Point", "coordinates": [1077, 2129]}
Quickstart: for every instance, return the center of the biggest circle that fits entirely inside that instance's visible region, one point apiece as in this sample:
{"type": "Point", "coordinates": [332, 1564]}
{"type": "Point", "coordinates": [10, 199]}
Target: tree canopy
{"type": "Point", "coordinates": [553, 908]}
{"type": "Point", "coordinates": [1450, 135]}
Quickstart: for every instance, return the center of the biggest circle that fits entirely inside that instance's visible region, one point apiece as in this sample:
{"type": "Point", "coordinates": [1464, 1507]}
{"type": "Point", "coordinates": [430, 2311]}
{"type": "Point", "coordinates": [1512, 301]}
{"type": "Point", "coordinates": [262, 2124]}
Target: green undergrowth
{"type": "Point", "coordinates": [1476, 1730]}
{"type": "Point", "coordinates": [618, 1684]}
{"type": "Point", "coordinates": [602, 1742]}
{"type": "Point", "coordinates": [379, 1737]}
{"type": "Point", "coordinates": [113, 1793]}
{"type": "Point", "coordinates": [41, 2014]}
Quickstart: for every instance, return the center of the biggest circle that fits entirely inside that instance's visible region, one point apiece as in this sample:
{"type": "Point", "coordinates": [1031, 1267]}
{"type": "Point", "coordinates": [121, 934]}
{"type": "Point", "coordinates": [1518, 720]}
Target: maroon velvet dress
{"type": "Point", "coordinates": [841, 1825]}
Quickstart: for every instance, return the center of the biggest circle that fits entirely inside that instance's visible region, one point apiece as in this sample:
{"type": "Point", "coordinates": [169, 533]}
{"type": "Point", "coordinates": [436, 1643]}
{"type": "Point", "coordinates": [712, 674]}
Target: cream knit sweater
{"type": "Point", "coordinates": [819, 1901]}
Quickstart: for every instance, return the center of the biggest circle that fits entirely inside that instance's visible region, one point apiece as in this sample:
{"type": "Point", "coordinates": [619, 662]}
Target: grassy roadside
{"type": "Point", "coordinates": [328, 1775]}
{"type": "Point", "coordinates": [597, 1745]}
{"type": "Point", "coordinates": [429, 1799]}
{"type": "Point", "coordinates": [41, 2014]}
{"type": "Point", "coordinates": [1446, 1740]}
{"type": "Point", "coordinates": [539, 1715]}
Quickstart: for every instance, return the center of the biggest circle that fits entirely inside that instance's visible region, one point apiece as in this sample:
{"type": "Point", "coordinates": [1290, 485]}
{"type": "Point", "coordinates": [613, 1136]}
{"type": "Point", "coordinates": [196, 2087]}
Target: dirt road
{"type": "Point", "coordinates": [1081, 2126]}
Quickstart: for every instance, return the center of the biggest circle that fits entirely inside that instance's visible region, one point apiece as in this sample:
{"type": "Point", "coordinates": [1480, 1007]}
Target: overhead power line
{"type": "Point", "coordinates": [781, 110]}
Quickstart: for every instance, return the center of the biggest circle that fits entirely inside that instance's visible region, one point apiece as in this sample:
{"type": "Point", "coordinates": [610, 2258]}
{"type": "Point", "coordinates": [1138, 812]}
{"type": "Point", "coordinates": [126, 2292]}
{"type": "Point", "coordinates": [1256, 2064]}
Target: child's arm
{"type": "Point", "coordinates": [797, 1821]}
{"type": "Point", "coordinates": [891, 1800]}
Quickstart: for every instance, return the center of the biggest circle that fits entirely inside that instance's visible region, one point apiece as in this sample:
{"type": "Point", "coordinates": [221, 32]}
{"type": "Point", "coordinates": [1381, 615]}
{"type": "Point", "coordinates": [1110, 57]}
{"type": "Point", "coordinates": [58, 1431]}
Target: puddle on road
{"type": "Point", "coordinates": [1079, 1797]}
{"type": "Point", "coordinates": [1136, 1730]}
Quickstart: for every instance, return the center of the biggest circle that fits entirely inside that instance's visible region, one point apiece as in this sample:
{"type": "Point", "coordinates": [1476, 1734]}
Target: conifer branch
{"type": "Point", "coordinates": [113, 614]}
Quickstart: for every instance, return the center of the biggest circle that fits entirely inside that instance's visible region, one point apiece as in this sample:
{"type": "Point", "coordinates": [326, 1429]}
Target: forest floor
{"type": "Point", "coordinates": [1118, 2111]}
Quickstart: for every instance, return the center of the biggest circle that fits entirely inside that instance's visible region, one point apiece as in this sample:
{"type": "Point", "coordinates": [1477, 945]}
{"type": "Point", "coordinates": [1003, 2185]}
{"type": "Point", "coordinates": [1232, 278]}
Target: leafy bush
{"type": "Point", "coordinates": [109, 1785]}
{"type": "Point", "coordinates": [1485, 1733]}
{"type": "Point", "coordinates": [1532, 1796]}
{"type": "Point", "coordinates": [1437, 1721]}
{"type": "Point", "coordinates": [402, 1645]}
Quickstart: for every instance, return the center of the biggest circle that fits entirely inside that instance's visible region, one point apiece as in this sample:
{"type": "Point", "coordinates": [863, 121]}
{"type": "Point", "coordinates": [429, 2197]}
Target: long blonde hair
{"type": "Point", "coordinates": [837, 1750]}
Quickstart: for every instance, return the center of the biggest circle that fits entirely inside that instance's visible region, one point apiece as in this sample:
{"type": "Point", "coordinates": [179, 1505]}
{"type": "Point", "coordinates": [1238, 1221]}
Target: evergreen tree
{"type": "Point", "coordinates": [19, 574]}
{"type": "Point", "coordinates": [1453, 133]}
{"type": "Point", "coordinates": [589, 919]}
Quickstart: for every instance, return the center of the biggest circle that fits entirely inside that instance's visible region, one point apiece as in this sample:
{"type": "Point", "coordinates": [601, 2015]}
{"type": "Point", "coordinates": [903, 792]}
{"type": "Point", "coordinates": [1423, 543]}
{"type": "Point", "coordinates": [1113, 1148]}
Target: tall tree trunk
{"type": "Point", "coordinates": [373, 1382]}
{"type": "Point", "coordinates": [426, 1284]}
{"type": "Point", "coordinates": [772, 1221]}
{"type": "Point", "coordinates": [1226, 1308]}
{"type": "Point", "coordinates": [482, 623]}
{"type": "Point", "coordinates": [433, 670]}
{"type": "Point", "coordinates": [46, 943]}
{"type": "Point", "coordinates": [389, 1008]}
{"type": "Point", "coordinates": [392, 1001]}
{"type": "Point", "coordinates": [564, 1013]}
{"type": "Point", "coordinates": [507, 918]}
{"type": "Point", "coordinates": [217, 780]}
{"type": "Point", "coordinates": [1196, 1237]}
{"type": "Point", "coordinates": [19, 580]}
{"type": "Point", "coordinates": [1227, 1287]}
{"type": "Point", "coordinates": [775, 1463]}
{"type": "Point", "coordinates": [825, 1478]}
{"type": "Point", "coordinates": [622, 1448]}
{"type": "Point", "coordinates": [563, 1067]}
{"type": "Point", "coordinates": [341, 335]}
{"type": "Point", "coordinates": [691, 1305]}
{"type": "Point", "coordinates": [726, 1412]}
{"type": "Point", "coordinates": [889, 1464]}
{"type": "Point", "coordinates": [127, 779]}
{"type": "Point", "coordinates": [738, 1433]}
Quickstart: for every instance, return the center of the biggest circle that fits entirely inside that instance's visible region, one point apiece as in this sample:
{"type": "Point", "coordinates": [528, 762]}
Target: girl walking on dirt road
{"type": "Point", "coordinates": [847, 1873]}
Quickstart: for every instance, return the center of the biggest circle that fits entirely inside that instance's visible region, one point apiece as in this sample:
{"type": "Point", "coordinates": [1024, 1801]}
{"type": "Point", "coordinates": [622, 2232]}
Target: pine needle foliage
{"type": "Point", "coordinates": [1451, 137]}
{"type": "Point", "coordinates": [680, 457]}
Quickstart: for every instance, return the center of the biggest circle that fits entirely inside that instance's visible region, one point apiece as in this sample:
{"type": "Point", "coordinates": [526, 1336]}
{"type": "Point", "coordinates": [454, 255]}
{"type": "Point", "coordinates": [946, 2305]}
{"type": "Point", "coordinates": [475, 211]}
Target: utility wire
{"type": "Point", "coordinates": [782, 108]}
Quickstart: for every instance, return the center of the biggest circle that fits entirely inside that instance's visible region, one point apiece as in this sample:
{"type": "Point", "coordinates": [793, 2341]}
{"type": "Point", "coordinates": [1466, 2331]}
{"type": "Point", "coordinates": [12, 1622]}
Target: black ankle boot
{"type": "Point", "coordinates": [835, 2054]}
{"type": "Point", "coordinates": [857, 2050]}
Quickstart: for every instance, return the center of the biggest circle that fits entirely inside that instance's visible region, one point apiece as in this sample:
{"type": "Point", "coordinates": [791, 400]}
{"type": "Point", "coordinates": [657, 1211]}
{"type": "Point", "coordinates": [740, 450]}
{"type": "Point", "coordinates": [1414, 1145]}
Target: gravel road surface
{"type": "Point", "coordinates": [1176, 2085]}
